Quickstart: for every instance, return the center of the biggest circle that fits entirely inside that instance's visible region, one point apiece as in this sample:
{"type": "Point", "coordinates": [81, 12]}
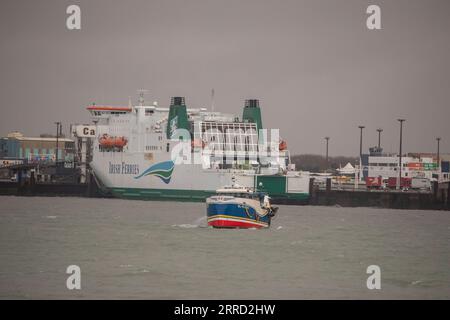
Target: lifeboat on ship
{"type": "Point", "coordinates": [106, 141]}
{"type": "Point", "coordinates": [120, 142]}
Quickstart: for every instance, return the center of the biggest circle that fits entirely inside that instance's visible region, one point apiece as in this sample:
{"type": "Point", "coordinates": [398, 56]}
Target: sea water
{"type": "Point", "coordinates": [165, 250]}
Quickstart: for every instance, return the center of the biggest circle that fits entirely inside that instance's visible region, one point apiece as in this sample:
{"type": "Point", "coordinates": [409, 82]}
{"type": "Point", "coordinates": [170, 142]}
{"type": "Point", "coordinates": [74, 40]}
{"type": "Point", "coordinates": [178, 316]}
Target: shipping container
{"type": "Point", "coordinates": [420, 183]}
{"type": "Point", "coordinates": [373, 182]}
{"type": "Point", "coordinates": [415, 166]}
{"type": "Point", "coordinates": [404, 182]}
{"type": "Point", "coordinates": [445, 166]}
{"type": "Point", "coordinates": [430, 166]}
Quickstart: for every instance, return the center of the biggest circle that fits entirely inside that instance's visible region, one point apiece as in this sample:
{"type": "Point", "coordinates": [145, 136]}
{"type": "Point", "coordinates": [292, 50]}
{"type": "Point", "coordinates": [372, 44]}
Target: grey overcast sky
{"type": "Point", "coordinates": [316, 68]}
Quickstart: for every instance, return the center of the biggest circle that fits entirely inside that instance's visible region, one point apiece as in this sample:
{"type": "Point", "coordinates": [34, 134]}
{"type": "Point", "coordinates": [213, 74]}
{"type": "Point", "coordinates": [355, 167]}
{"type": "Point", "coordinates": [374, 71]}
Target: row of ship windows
{"type": "Point", "coordinates": [385, 164]}
{"type": "Point", "coordinates": [379, 168]}
{"type": "Point", "coordinates": [395, 164]}
{"type": "Point", "coordinates": [99, 113]}
{"type": "Point", "coordinates": [27, 151]}
{"type": "Point", "coordinates": [150, 148]}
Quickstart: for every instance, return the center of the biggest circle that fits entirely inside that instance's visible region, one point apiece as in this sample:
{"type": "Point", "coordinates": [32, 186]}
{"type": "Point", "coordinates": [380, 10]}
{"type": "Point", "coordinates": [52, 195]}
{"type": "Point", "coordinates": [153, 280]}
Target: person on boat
{"type": "Point", "coordinates": [268, 206]}
{"type": "Point", "coordinates": [266, 202]}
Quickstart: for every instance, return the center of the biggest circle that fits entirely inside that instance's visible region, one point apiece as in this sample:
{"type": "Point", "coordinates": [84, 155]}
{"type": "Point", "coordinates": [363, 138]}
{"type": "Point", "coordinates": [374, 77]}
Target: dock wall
{"type": "Point", "coordinates": [437, 199]}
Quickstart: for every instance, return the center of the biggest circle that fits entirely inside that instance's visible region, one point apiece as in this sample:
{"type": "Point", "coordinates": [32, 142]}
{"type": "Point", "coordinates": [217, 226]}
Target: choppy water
{"type": "Point", "coordinates": [162, 250]}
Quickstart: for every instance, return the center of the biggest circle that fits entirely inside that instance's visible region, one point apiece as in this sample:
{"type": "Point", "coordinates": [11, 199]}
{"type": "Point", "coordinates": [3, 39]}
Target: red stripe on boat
{"type": "Point", "coordinates": [219, 223]}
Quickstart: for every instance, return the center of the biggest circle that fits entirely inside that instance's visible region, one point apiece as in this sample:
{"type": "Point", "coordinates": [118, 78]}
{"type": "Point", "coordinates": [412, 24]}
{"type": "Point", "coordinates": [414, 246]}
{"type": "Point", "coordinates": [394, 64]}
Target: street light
{"type": "Point", "coordinates": [360, 151]}
{"type": "Point", "coordinates": [379, 137]}
{"type": "Point", "coordinates": [360, 140]}
{"type": "Point", "coordinates": [58, 132]}
{"type": "Point", "coordinates": [399, 180]}
{"type": "Point", "coordinates": [438, 139]}
{"type": "Point", "coordinates": [327, 138]}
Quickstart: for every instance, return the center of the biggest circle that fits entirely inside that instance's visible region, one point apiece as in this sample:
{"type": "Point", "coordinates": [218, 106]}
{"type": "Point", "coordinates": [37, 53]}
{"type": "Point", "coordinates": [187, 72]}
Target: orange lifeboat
{"type": "Point", "coordinates": [107, 141]}
{"type": "Point", "coordinates": [120, 142]}
{"type": "Point", "coordinates": [283, 145]}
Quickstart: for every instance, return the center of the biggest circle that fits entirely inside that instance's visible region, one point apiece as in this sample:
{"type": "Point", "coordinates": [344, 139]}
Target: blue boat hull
{"type": "Point", "coordinates": [235, 215]}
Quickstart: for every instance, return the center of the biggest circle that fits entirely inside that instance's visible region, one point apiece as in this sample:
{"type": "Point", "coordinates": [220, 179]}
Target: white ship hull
{"type": "Point", "coordinates": [188, 182]}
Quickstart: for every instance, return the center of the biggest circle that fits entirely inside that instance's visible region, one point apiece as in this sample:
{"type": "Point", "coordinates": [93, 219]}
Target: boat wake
{"type": "Point", "coordinates": [199, 223]}
{"type": "Point", "coordinates": [185, 225]}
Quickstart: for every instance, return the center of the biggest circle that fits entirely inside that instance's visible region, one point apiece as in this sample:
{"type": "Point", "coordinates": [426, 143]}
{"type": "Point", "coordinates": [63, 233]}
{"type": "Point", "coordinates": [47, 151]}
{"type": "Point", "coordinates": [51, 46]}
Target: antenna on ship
{"type": "Point", "coordinates": [212, 100]}
{"type": "Point", "coordinates": [141, 96]}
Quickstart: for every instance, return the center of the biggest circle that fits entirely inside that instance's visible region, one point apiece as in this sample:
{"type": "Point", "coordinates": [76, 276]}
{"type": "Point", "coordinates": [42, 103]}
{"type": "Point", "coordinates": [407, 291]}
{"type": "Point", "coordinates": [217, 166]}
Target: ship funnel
{"type": "Point", "coordinates": [252, 113]}
{"type": "Point", "coordinates": [252, 103]}
{"type": "Point", "coordinates": [177, 101]}
{"type": "Point", "coordinates": [178, 118]}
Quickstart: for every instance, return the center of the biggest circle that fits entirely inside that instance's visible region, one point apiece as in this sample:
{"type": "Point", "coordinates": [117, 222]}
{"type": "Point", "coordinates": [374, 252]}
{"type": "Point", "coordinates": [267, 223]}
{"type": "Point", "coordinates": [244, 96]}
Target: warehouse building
{"type": "Point", "coordinates": [36, 149]}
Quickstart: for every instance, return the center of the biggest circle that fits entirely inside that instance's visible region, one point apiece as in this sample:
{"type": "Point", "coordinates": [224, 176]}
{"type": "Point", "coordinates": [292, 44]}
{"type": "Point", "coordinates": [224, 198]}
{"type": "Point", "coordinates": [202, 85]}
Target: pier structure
{"type": "Point", "coordinates": [83, 136]}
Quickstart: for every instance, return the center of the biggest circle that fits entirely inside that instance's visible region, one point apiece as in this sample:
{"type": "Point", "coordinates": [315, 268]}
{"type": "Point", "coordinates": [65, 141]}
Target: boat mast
{"type": "Point", "coordinates": [141, 96]}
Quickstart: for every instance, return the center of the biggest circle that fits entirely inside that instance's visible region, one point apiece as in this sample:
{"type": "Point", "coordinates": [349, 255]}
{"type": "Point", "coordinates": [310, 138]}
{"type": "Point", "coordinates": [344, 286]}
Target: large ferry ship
{"type": "Point", "coordinates": [186, 154]}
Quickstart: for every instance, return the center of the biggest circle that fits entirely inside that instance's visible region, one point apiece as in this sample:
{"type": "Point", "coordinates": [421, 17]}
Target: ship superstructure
{"type": "Point", "coordinates": [152, 152]}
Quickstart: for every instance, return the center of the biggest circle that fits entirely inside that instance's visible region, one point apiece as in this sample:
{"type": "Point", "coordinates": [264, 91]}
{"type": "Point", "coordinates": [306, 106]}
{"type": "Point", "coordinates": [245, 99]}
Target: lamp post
{"type": "Point", "coordinates": [360, 151]}
{"type": "Point", "coordinates": [379, 137]}
{"type": "Point", "coordinates": [360, 140]}
{"type": "Point", "coordinates": [326, 155]}
{"type": "Point", "coordinates": [58, 128]}
{"type": "Point", "coordinates": [399, 180]}
{"type": "Point", "coordinates": [438, 139]}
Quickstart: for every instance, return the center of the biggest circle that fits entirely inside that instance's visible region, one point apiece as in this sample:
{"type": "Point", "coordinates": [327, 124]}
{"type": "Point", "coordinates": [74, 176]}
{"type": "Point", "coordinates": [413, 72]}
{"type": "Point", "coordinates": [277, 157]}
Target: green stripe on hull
{"type": "Point", "coordinates": [161, 194]}
{"type": "Point", "coordinates": [187, 195]}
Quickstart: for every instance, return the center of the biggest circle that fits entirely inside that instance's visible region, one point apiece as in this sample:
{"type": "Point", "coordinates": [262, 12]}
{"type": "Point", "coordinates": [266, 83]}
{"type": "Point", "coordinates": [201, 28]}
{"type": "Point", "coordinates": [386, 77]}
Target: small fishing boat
{"type": "Point", "coordinates": [239, 207]}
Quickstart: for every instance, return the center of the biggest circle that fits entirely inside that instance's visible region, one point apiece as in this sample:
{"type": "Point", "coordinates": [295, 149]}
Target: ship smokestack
{"type": "Point", "coordinates": [178, 118]}
{"type": "Point", "coordinates": [252, 113]}
{"type": "Point", "coordinates": [177, 101]}
{"type": "Point", "coordinates": [252, 103]}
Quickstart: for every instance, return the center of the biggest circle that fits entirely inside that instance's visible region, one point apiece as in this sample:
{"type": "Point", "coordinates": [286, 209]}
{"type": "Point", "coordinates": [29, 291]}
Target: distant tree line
{"type": "Point", "coordinates": [318, 163]}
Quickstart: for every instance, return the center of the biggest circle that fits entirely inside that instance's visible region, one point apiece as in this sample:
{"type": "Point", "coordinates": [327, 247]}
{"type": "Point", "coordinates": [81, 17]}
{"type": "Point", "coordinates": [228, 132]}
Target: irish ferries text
{"type": "Point", "coordinates": [123, 168]}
